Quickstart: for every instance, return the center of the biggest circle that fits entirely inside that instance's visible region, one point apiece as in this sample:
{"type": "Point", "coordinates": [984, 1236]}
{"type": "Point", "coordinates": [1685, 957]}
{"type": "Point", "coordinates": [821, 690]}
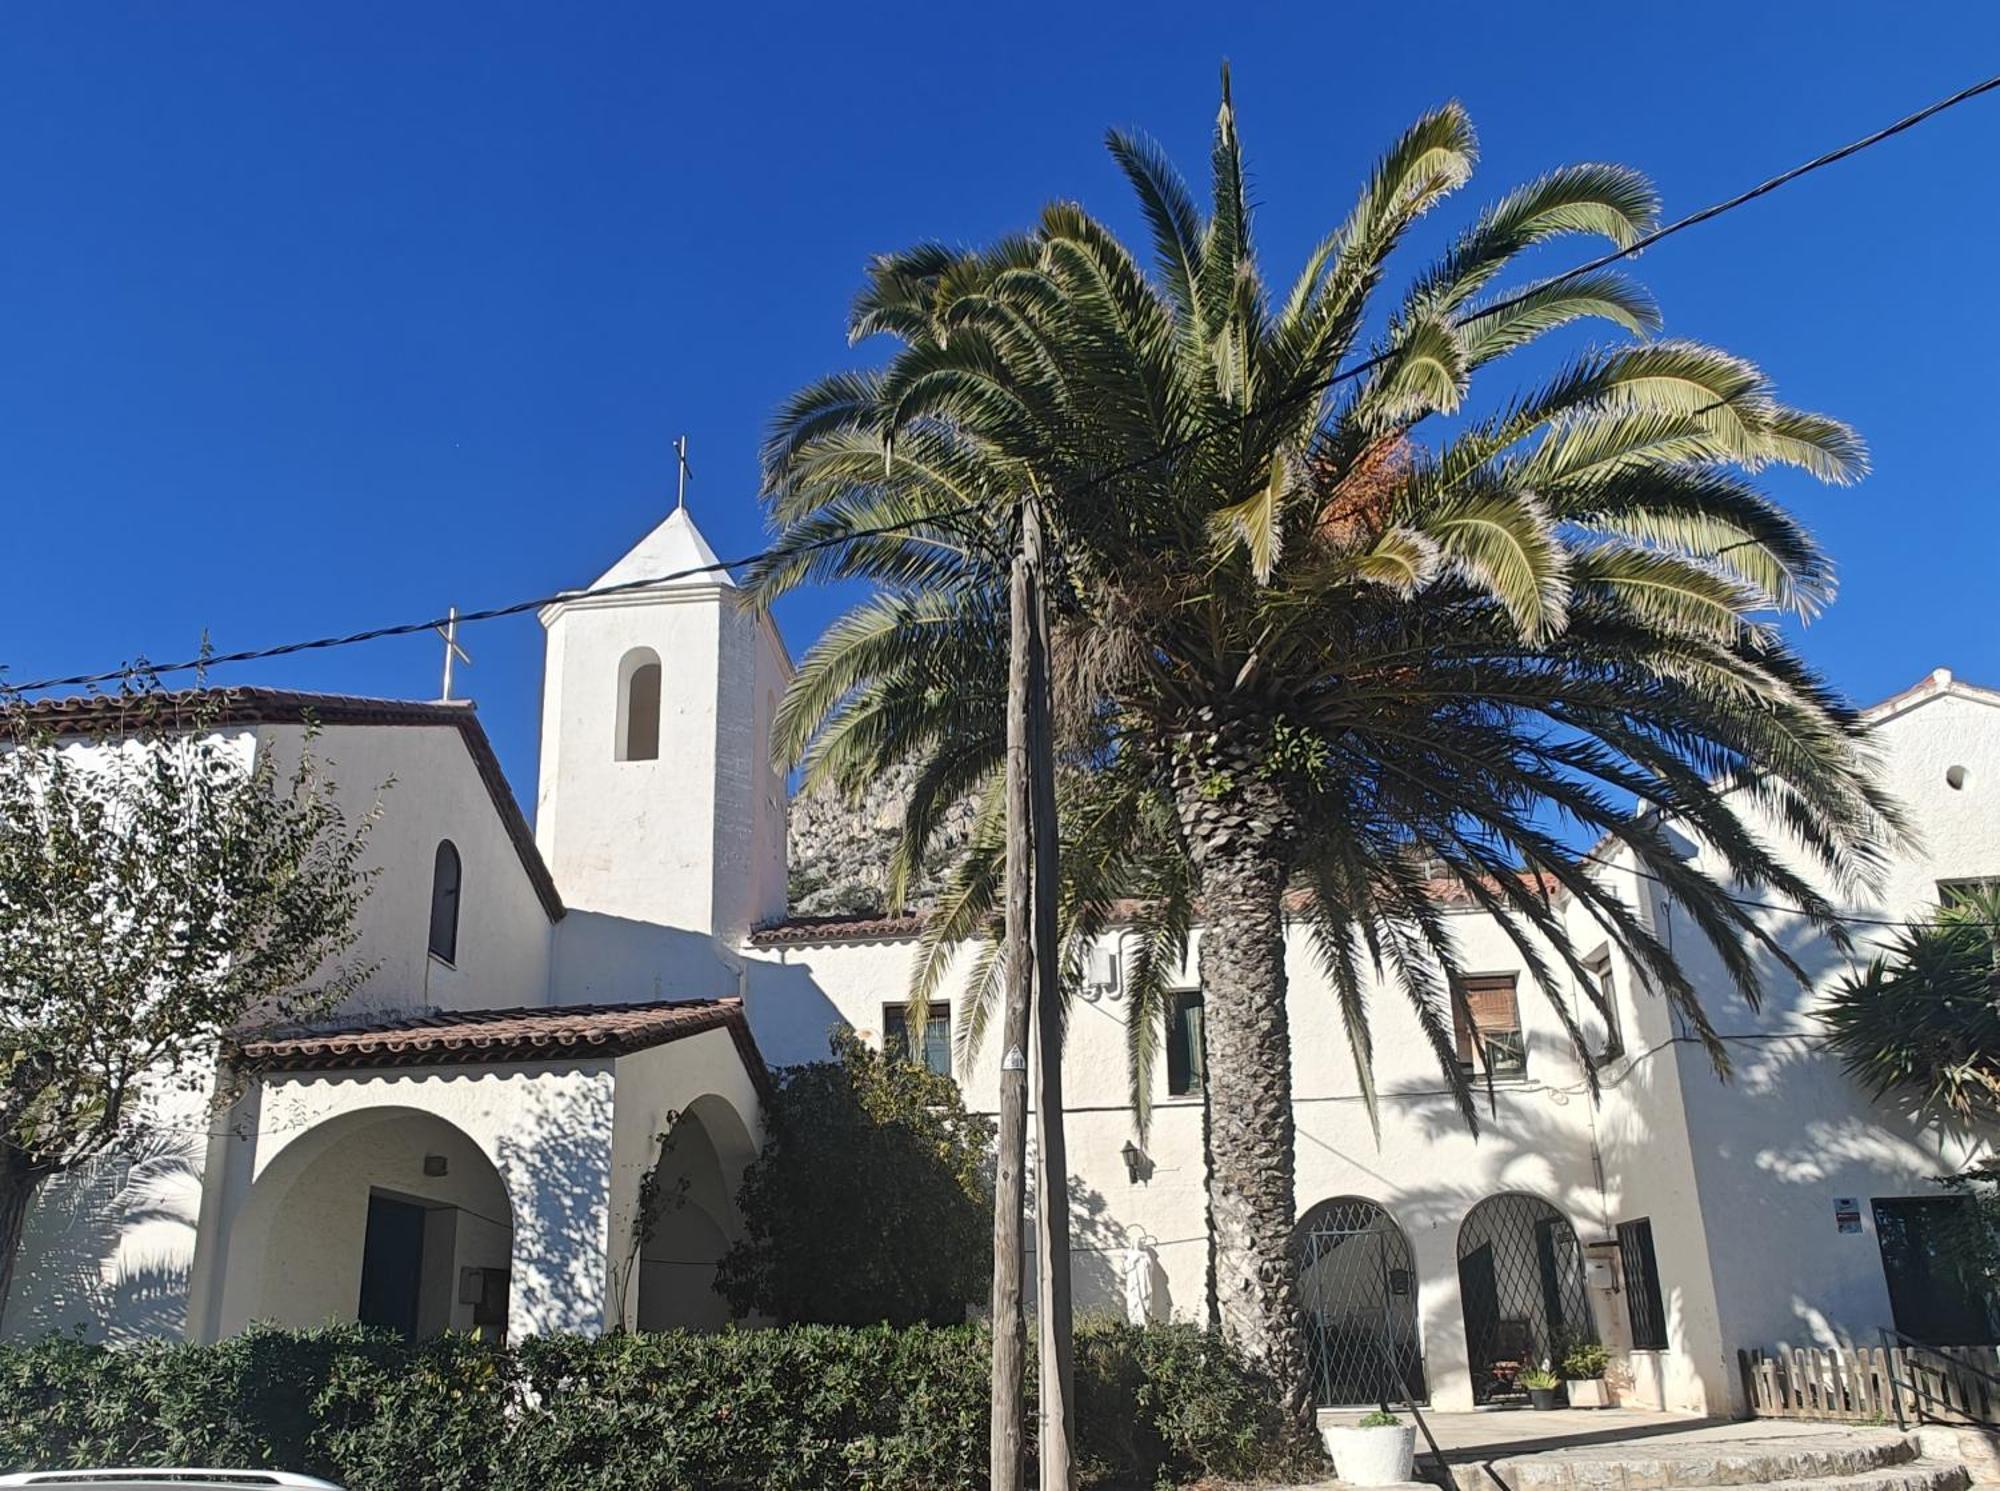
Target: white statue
{"type": "Point", "coordinates": [1138, 1269]}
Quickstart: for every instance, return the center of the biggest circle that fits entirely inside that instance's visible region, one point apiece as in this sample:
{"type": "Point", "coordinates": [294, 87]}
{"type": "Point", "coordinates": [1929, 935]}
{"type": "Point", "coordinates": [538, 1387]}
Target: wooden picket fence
{"type": "Point", "coordinates": [1863, 1384]}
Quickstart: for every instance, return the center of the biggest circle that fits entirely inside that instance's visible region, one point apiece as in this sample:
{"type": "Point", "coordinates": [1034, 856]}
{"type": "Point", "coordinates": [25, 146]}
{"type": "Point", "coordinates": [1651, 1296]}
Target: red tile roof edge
{"type": "Point", "coordinates": [534, 1033]}
{"type": "Point", "coordinates": [100, 714]}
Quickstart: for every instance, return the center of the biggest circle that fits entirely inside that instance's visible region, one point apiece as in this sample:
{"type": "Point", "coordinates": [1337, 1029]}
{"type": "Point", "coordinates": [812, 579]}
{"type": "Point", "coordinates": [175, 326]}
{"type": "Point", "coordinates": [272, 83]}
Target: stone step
{"type": "Point", "coordinates": [1837, 1461]}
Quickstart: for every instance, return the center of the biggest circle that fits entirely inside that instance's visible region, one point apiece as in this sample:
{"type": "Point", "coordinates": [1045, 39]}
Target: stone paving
{"type": "Point", "coordinates": [1635, 1450]}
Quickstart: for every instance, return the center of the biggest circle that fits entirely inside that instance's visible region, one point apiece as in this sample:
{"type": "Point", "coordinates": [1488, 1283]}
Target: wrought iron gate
{"type": "Point", "coordinates": [1520, 1278]}
{"type": "Point", "coordinates": [1358, 1297]}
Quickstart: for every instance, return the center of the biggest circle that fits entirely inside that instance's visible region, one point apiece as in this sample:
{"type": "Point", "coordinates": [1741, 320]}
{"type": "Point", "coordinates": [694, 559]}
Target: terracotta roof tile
{"type": "Point", "coordinates": [552, 1033]}
{"type": "Point", "coordinates": [114, 714]}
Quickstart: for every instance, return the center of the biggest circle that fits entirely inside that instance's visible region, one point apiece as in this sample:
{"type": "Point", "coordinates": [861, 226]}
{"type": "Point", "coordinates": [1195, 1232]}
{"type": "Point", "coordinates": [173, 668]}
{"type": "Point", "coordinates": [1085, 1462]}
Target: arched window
{"type": "Point", "coordinates": [639, 705]}
{"type": "Point", "coordinates": [444, 902]}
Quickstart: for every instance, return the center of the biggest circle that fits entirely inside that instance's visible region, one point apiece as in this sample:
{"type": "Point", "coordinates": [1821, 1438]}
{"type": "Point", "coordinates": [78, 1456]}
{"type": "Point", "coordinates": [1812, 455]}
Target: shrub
{"type": "Point", "coordinates": [869, 1202]}
{"type": "Point", "coordinates": [873, 1409]}
{"type": "Point", "coordinates": [1584, 1360]}
{"type": "Point", "coordinates": [1379, 1419]}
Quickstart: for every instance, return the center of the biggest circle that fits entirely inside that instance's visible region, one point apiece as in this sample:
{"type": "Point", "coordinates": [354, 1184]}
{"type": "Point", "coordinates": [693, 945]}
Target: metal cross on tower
{"type": "Point", "coordinates": [681, 460]}
{"type": "Point", "coordinates": [453, 653]}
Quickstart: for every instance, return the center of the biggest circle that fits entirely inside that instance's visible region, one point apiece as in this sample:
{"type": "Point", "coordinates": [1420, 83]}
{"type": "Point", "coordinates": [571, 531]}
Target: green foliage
{"type": "Point", "coordinates": [1174, 1403]}
{"type": "Point", "coordinates": [1921, 1020]}
{"type": "Point", "coordinates": [1537, 1379]}
{"type": "Point", "coordinates": [1425, 619]}
{"type": "Point", "coordinates": [788, 1409]}
{"type": "Point", "coordinates": [869, 1202]}
{"type": "Point", "coordinates": [156, 897]}
{"type": "Point", "coordinates": [1584, 1361]}
{"type": "Point", "coordinates": [1379, 1419]}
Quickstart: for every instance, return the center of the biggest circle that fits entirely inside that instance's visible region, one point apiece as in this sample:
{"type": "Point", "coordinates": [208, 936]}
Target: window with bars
{"type": "Point", "coordinates": [937, 1036]}
{"type": "Point", "coordinates": [1643, 1306]}
{"type": "Point", "coordinates": [1491, 1042]}
{"type": "Point", "coordinates": [1187, 1063]}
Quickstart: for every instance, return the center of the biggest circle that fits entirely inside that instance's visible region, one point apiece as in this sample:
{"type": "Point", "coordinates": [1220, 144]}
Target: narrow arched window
{"type": "Point", "coordinates": [444, 902]}
{"type": "Point", "coordinates": [639, 705]}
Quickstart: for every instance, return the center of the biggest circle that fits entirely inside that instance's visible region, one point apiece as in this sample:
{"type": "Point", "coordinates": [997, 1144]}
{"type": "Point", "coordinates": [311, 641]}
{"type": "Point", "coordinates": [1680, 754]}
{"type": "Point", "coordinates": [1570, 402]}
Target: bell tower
{"type": "Point", "coordinates": [657, 801]}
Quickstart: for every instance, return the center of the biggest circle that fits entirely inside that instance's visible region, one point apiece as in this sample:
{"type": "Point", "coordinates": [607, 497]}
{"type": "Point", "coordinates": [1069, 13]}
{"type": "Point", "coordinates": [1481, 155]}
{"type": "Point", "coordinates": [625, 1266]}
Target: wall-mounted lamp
{"type": "Point", "coordinates": [436, 1165]}
{"type": "Point", "coordinates": [1138, 1164]}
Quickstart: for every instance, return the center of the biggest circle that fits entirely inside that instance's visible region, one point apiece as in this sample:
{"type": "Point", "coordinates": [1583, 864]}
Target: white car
{"type": "Point", "coordinates": [165, 1480]}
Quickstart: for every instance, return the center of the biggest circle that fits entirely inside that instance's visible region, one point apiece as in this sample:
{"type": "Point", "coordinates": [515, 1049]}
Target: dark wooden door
{"type": "Point", "coordinates": [392, 1265]}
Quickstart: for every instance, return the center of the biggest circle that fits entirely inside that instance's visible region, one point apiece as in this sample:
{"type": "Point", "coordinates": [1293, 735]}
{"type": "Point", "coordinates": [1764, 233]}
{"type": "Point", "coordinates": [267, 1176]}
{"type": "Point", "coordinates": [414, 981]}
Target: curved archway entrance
{"type": "Point", "coordinates": [1358, 1300]}
{"type": "Point", "coordinates": [1520, 1280]}
{"type": "Point", "coordinates": [691, 1218]}
{"type": "Point", "coordinates": [391, 1216]}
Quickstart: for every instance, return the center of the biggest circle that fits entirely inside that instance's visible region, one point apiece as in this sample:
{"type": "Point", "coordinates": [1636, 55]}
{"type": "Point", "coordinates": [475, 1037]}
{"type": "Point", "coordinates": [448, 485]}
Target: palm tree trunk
{"type": "Point", "coordinates": [1238, 832]}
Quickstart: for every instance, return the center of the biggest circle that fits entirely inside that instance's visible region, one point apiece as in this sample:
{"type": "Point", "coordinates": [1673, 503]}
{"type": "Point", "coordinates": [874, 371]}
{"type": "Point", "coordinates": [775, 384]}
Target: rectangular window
{"type": "Point", "coordinates": [1187, 1061]}
{"type": "Point", "coordinates": [1607, 989]}
{"type": "Point", "coordinates": [1492, 1042]}
{"type": "Point", "coordinates": [1930, 1246]}
{"type": "Point", "coordinates": [1958, 892]}
{"type": "Point", "coordinates": [1643, 1308]}
{"type": "Point", "coordinates": [937, 1036]}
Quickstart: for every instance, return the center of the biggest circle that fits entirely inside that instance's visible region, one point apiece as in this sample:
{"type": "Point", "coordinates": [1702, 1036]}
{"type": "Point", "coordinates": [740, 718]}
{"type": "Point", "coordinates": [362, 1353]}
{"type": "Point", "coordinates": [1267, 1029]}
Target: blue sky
{"type": "Point", "coordinates": [319, 317]}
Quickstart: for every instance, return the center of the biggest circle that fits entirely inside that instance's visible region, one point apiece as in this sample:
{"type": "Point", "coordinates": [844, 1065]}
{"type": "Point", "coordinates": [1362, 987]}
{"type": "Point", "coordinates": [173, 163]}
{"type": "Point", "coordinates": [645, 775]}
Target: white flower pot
{"type": "Point", "coordinates": [1372, 1457]}
{"type": "Point", "coordinates": [1587, 1392]}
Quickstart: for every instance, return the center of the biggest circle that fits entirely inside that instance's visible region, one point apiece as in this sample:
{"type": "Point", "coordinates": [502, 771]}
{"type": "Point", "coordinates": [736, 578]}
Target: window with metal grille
{"type": "Point", "coordinates": [1187, 1063]}
{"type": "Point", "coordinates": [1643, 1307]}
{"type": "Point", "coordinates": [937, 1036]}
{"type": "Point", "coordinates": [1953, 893]}
{"type": "Point", "coordinates": [1492, 1041]}
{"type": "Point", "coordinates": [444, 902]}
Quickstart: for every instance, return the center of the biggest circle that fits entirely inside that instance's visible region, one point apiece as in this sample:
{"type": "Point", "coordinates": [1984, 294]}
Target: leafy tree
{"type": "Point", "coordinates": [159, 893]}
{"type": "Point", "coordinates": [1921, 1019]}
{"type": "Point", "coordinates": [1322, 648]}
{"type": "Point", "coordinates": [869, 1202]}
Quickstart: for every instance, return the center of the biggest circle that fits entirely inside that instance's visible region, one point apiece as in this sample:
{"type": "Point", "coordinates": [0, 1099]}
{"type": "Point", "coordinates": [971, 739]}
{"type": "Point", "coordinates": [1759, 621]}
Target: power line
{"type": "Point", "coordinates": [1602, 261]}
{"type": "Point", "coordinates": [491, 613]}
{"type": "Point", "coordinates": [1097, 479]}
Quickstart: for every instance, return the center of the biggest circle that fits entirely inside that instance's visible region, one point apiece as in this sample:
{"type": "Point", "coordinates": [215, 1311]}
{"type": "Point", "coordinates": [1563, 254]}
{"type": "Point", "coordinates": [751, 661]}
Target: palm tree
{"type": "Point", "coordinates": [1920, 1020]}
{"type": "Point", "coordinates": [1320, 644]}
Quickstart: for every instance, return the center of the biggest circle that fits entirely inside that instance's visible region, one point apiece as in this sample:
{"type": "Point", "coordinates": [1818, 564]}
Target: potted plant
{"type": "Point", "coordinates": [1378, 1451]}
{"type": "Point", "coordinates": [1583, 1367]}
{"type": "Point", "coordinates": [1540, 1384]}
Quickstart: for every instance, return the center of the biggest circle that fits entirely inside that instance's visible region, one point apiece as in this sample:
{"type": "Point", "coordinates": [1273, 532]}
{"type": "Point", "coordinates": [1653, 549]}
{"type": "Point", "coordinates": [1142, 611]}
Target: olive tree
{"type": "Point", "coordinates": [161, 891]}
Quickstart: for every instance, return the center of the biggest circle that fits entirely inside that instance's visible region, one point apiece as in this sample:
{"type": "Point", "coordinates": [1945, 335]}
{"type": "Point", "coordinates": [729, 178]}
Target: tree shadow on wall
{"type": "Point", "coordinates": [110, 1244]}
{"type": "Point", "coordinates": [558, 1176]}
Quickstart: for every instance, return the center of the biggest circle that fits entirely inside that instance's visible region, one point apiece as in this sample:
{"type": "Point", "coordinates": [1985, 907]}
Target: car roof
{"type": "Point", "coordinates": [175, 1478]}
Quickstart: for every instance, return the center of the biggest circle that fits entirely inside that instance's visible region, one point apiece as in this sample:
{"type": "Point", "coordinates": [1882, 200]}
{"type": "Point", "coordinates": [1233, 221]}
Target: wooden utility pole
{"type": "Point", "coordinates": [1010, 1336]}
{"type": "Point", "coordinates": [1053, 1319]}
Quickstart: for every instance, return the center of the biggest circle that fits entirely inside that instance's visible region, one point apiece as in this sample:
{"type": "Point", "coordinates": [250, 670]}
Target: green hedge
{"type": "Point", "coordinates": [777, 1410]}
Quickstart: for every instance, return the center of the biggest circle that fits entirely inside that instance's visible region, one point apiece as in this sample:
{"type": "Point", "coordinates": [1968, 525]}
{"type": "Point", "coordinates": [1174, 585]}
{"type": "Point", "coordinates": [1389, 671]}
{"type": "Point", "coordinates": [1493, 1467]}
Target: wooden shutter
{"type": "Point", "coordinates": [1493, 1007]}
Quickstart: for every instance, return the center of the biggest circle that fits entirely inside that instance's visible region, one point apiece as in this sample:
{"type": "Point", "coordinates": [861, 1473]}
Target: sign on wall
{"type": "Point", "coordinates": [1847, 1213]}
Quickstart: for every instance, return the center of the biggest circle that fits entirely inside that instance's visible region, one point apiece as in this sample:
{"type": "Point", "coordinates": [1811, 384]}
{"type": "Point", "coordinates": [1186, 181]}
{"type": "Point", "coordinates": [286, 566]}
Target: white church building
{"type": "Point", "coordinates": [463, 1146]}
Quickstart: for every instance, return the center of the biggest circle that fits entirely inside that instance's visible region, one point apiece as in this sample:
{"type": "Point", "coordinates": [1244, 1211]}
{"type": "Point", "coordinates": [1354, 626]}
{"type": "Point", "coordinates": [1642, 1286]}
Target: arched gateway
{"type": "Point", "coordinates": [1520, 1279]}
{"type": "Point", "coordinates": [1358, 1298]}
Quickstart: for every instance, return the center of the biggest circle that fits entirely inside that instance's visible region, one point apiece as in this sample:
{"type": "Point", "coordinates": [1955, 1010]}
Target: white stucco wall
{"type": "Point", "coordinates": [429, 789]}
{"type": "Point", "coordinates": [1426, 1168]}
{"type": "Point", "coordinates": [1790, 1131]}
{"type": "Point", "coordinates": [697, 1091]}
{"type": "Point", "coordinates": [287, 1203]}
{"type": "Point", "coordinates": [695, 838]}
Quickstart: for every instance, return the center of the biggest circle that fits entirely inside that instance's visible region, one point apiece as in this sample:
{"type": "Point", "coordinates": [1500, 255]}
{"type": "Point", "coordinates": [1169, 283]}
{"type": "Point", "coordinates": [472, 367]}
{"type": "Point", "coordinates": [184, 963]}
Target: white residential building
{"type": "Point", "coordinates": [464, 1145]}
